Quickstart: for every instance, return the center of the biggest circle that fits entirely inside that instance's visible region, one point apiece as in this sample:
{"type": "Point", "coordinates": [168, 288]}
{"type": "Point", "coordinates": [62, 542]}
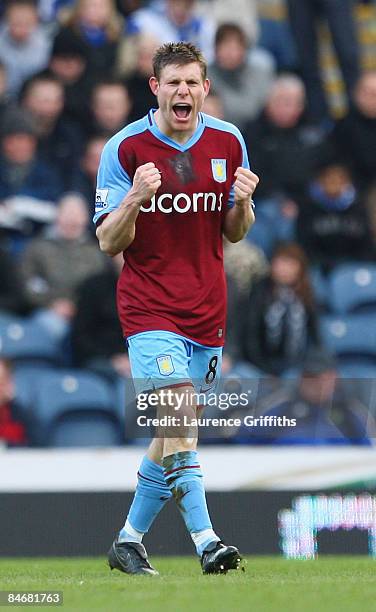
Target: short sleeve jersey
{"type": "Point", "coordinates": [173, 277]}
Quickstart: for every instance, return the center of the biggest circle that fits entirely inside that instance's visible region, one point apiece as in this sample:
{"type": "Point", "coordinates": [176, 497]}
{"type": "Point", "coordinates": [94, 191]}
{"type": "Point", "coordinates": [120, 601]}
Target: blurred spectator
{"type": "Point", "coordinates": [59, 139]}
{"type": "Point", "coordinates": [24, 45]}
{"type": "Point", "coordinates": [370, 203]}
{"type": "Point", "coordinates": [138, 81]}
{"type": "Point", "coordinates": [84, 178]}
{"type": "Point", "coordinates": [49, 9]}
{"type": "Point", "coordinates": [356, 133]}
{"type": "Point", "coordinates": [275, 34]}
{"type": "Point", "coordinates": [325, 413]}
{"type": "Point", "coordinates": [69, 63]}
{"type": "Point", "coordinates": [128, 7]}
{"type": "Point", "coordinates": [13, 431]}
{"type": "Point", "coordinates": [12, 295]}
{"type": "Point", "coordinates": [110, 107]}
{"type": "Point", "coordinates": [22, 172]}
{"type": "Point", "coordinates": [97, 339]}
{"type": "Point", "coordinates": [283, 146]}
{"type": "Point", "coordinates": [53, 266]}
{"type": "Point", "coordinates": [333, 224]}
{"type": "Point", "coordinates": [100, 27]}
{"type": "Point", "coordinates": [241, 12]}
{"type": "Point", "coordinates": [244, 264]}
{"type": "Point", "coordinates": [243, 79]}
{"type": "Point", "coordinates": [176, 20]}
{"type": "Point", "coordinates": [29, 185]}
{"type": "Point", "coordinates": [304, 20]}
{"type": "Point", "coordinates": [278, 321]}
{"type": "Point", "coordinates": [4, 96]}
{"type": "Point", "coordinates": [213, 105]}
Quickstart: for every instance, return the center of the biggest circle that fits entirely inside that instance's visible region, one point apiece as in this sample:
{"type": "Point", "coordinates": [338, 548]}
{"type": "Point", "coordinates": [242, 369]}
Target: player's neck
{"type": "Point", "coordinates": [181, 137]}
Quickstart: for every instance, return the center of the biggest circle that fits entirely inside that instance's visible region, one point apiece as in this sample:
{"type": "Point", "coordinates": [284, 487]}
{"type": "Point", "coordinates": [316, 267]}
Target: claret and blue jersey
{"type": "Point", "coordinates": [173, 276]}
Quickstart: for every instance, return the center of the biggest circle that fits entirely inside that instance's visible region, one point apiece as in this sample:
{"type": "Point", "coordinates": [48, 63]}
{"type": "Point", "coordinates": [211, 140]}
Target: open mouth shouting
{"type": "Point", "coordinates": [182, 111]}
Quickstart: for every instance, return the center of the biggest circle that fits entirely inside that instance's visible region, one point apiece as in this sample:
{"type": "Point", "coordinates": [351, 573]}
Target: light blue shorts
{"type": "Point", "coordinates": [162, 359]}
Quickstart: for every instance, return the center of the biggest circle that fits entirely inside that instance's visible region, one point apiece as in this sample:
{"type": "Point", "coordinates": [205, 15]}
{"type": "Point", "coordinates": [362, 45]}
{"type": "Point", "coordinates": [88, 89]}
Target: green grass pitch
{"type": "Point", "coordinates": [268, 584]}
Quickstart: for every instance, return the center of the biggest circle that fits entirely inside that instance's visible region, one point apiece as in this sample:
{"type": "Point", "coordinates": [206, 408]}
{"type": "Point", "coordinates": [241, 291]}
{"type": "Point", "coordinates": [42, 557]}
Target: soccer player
{"type": "Point", "coordinates": [169, 186]}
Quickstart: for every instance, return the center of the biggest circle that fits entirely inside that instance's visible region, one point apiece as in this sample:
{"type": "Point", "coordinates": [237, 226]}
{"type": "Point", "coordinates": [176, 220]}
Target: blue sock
{"type": "Point", "coordinates": [151, 495]}
{"type": "Point", "coordinates": [184, 477]}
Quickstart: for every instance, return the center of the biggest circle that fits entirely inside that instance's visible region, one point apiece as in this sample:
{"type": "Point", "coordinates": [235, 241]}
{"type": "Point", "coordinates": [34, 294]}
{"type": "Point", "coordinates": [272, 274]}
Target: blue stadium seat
{"type": "Point", "coordinates": [245, 370]}
{"type": "Point", "coordinates": [6, 318]}
{"type": "Point", "coordinates": [126, 409]}
{"type": "Point", "coordinates": [68, 398]}
{"type": "Point", "coordinates": [263, 235]}
{"type": "Point", "coordinates": [245, 378]}
{"type": "Point", "coordinates": [320, 287]}
{"type": "Point", "coordinates": [83, 429]}
{"type": "Point", "coordinates": [27, 379]}
{"type": "Point", "coordinates": [350, 335]}
{"type": "Point", "coordinates": [359, 377]}
{"type": "Point", "coordinates": [21, 340]}
{"type": "Point", "coordinates": [352, 288]}
{"type": "Point", "coordinates": [357, 369]}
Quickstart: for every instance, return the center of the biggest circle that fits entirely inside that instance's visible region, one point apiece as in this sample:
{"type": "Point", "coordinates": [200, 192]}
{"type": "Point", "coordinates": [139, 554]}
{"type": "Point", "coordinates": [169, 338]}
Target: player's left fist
{"type": "Point", "coordinates": [246, 182]}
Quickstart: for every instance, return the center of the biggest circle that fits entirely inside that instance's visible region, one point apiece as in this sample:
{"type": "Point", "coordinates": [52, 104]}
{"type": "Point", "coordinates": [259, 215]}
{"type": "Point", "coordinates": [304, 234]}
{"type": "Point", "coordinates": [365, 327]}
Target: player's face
{"type": "Point", "coordinates": [181, 92]}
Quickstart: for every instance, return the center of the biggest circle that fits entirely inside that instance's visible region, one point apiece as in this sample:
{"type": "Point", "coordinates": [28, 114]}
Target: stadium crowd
{"type": "Point", "coordinates": [301, 287]}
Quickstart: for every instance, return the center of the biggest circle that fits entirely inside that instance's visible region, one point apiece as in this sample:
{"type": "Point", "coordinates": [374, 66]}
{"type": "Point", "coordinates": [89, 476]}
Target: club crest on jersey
{"type": "Point", "coordinates": [165, 365]}
{"type": "Point", "coordinates": [101, 196]}
{"type": "Point", "coordinates": [219, 170]}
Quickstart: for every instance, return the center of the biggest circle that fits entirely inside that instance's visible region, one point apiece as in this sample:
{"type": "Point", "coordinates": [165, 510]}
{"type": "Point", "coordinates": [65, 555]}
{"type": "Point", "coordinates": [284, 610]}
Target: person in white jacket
{"type": "Point", "coordinates": [24, 44]}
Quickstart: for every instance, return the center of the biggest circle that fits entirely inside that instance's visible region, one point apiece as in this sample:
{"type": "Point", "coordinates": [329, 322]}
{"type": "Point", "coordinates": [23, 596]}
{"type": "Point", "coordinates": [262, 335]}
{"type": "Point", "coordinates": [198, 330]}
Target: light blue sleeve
{"type": "Point", "coordinates": [113, 182]}
{"type": "Point", "coordinates": [244, 164]}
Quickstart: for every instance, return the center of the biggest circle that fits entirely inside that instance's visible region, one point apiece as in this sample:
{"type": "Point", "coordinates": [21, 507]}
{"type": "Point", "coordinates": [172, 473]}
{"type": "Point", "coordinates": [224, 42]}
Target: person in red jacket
{"type": "Point", "coordinates": [12, 430]}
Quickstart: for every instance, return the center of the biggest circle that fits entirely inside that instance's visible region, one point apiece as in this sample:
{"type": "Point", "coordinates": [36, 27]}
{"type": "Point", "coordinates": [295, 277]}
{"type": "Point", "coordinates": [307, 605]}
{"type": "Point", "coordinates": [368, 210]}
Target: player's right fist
{"type": "Point", "coordinates": [146, 182]}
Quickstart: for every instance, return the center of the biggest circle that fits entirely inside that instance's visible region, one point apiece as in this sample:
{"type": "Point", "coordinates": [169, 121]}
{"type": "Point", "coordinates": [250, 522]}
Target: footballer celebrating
{"type": "Point", "coordinates": [169, 187]}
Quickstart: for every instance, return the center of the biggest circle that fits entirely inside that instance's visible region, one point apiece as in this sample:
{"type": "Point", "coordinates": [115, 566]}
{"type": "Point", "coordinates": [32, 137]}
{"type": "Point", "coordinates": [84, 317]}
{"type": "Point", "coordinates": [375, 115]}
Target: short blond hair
{"type": "Point", "coordinates": [178, 54]}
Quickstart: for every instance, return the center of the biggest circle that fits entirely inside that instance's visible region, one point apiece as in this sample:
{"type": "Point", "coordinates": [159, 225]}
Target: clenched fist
{"type": "Point", "coordinates": [246, 182]}
{"type": "Point", "coordinates": [146, 182]}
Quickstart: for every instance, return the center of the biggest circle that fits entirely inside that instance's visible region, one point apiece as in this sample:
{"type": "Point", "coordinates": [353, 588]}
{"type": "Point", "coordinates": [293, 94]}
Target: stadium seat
{"type": "Point", "coordinates": [357, 369]}
{"type": "Point", "coordinates": [359, 378]}
{"type": "Point", "coordinates": [21, 340]}
{"type": "Point", "coordinates": [350, 335]}
{"type": "Point", "coordinates": [28, 377]}
{"type": "Point", "coordinates": [320, 288]}
{"type": "Point", "coordinates": [352, 288]}
{"type": "Point", "coordinates": [74, 397]}
{"type": "Point", "coordinates": [83, 429]}
{"type": "Point", "coordinates": [245, 370]}
{"type": "Point", "coordinates": [263, 235]}
{"type": "Point", "coordinates": [6, 318]}
{"type": "Point", "coordinates": [127, 411]}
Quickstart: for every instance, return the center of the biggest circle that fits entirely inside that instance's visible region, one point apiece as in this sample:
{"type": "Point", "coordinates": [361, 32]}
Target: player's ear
{"type": "Point", "coordinates": [206, 87]}
{"type": "Point", "coordinates": [154, 85]}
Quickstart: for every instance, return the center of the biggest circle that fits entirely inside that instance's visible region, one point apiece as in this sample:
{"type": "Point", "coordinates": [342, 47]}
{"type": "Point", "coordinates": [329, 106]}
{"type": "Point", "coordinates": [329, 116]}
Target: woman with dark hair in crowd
{"type": "Point", "coordinates": [279, 318]}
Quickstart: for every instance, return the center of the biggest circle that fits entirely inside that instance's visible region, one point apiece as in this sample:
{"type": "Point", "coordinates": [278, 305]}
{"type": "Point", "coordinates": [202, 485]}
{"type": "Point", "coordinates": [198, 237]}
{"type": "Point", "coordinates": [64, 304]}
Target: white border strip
{"type": "Point", "coordinates": [225, 468]}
